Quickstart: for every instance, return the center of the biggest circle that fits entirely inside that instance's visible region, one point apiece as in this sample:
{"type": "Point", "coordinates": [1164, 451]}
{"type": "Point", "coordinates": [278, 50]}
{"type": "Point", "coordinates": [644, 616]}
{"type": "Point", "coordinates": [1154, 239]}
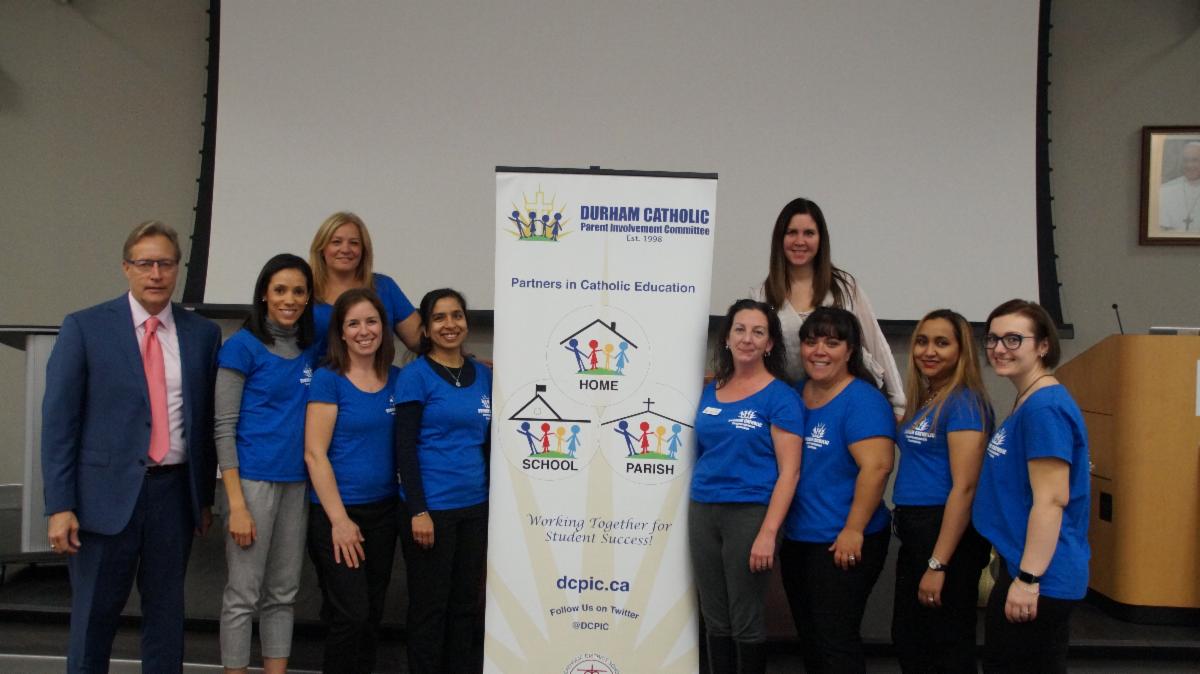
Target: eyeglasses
{"type": "Point", "coordinates": [144, 266]}
{"type": "Point", "coordinates": [1011, 340]}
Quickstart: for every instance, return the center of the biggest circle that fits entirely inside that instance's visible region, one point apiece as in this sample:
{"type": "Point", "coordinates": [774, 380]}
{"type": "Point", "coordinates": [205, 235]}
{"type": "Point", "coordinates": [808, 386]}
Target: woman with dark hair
{"type": "Point", "coordinates": [348, 448]}
{"type": "Point", "coordinates": [342, 258]}
{"type": "Point", "coordinates": [261, 392]}
{"type": "Point", "coordinates": [1033, 498]}
{"type": "Point", "coordinates": [802, 276]}
{"type": "Point", "coordinates": [836, 533]}
{"type": "Point", "coordinates": [747, 465]}
{"type": "Point", "coordinates": [942, 436]}
{"type": "Point", "coordinates": [443, 418]}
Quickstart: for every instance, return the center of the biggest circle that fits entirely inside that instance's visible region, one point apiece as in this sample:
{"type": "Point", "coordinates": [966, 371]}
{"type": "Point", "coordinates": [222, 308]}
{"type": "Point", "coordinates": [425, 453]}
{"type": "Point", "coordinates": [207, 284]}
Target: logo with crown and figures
{"type": "Point", "coordinates": [537, 219]}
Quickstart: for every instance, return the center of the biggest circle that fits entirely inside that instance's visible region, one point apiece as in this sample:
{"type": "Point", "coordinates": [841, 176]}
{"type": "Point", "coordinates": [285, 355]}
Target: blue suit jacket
{"type": "Point", "coordinates": [96, 414]}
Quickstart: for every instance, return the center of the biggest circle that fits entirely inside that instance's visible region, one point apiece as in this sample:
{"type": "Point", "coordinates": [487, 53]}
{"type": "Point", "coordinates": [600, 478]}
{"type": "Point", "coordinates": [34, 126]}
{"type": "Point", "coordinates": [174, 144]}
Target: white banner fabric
{"type": "Point", "coordinates": [601, 306]}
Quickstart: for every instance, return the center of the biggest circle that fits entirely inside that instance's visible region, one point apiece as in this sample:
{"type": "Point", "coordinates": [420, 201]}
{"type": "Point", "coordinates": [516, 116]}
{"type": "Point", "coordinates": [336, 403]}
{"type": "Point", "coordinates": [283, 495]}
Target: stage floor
{"type": "Point", "coordinates": [35, 606]}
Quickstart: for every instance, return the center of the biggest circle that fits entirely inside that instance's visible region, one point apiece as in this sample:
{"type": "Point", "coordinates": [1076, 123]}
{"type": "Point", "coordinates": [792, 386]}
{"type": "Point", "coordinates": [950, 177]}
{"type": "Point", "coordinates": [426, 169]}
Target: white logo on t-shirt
{"type": "Point", "coordinates": [996, 446]}
{"type": "Point", "coordinates": [746, 421]}
{"type": "Point", "coordinates": [485, 407]}
{"type": "Point", "coordinates": [817, 439]}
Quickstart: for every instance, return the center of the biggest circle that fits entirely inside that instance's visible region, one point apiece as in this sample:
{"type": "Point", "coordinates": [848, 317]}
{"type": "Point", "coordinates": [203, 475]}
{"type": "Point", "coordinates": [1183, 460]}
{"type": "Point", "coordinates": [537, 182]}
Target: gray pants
{"type": "Point", "coordinates": [732, 600]}
{"type": "Point", "coordinates": [265, 575]}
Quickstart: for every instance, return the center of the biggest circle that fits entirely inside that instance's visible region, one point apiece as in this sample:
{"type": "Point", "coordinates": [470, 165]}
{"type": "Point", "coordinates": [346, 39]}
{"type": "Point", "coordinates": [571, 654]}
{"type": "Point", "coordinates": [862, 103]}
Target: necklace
{"type": "Point", "coordinates": [1022, 393]}
{"type": "Point", "coordinates": [456, 375]}
{"type": "Point", "coordinates": [929, 396]}
{"type": "Point", "coordinates": [1188, 220]}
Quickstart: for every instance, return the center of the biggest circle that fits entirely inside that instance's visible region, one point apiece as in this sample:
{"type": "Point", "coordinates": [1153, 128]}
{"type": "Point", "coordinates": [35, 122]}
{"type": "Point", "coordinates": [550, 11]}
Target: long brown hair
{"type": "Point", "coordinates": [316, 252]}
{"type": "Point", "coordinates": [827, 279]}
{"type": "Point", "coordinates": [338, 357]}
{"type": "Point", "coordinates": [967, 374]}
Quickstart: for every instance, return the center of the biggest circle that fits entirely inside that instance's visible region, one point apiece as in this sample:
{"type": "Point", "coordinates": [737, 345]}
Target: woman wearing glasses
{"type": "Point", "coordinates": [942, 436]}
{"type": "Point", "coordinates": [836, 534]}
{"type": "Point", "coordinates": [1032, 502]}
{"type": "Point", "coordinates": [802, 276]}
{"type": "Point", "coordinates": [341, 256]}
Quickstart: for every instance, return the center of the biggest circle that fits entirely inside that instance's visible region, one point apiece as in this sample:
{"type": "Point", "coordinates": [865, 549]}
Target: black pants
{"type": "Point", "coordinates": [827, 603]}
{"type": "Point", "coordinates": [353, 598]}
{"type": "Point", "coordinates": [445, 590]}
{"type": "Point", "coordinates": [1036, 646]}
{"type": "Point", "coordinates": [935, 639]}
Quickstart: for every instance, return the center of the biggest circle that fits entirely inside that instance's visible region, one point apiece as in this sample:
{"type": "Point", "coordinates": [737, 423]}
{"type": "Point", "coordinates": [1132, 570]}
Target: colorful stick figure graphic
{"type": "Point", "coordinates": [673, 442]}
{"type": "Point", "coordinates": [608, 349]}
{"type": "Point", "coordinates": [622, 357]}
{"type": "Point", "coordinates": [555, 227]}
{"type": "Point", "coordinates": [532, 223]}
{"type": "Point", "coordinates": [592, 356]}
{"type": "Point", "coordinates": [573, 441]}
{"type": "Point", "coordinates": [524, 430]}
{"type": "Point", "coordinates": [545, 438]}
{"type": "Point", "coordinates": [573, 347]}
{"type": "Point", "coordinates": [645, 439]}
{"type": "Point", "coordinates": [558, 434]}
{"type": "Point", "coordinates": [622, 429]}
{"type": "Point", "coordinates": [658, 435]}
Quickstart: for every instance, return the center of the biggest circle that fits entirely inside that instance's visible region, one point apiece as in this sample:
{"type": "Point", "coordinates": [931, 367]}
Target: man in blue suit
{"type": "Point", "coordinates": [127, 454]}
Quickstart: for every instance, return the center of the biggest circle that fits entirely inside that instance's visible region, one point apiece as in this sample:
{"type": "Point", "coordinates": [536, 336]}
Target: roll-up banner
{"type": "Point", "coordinates": [601, 317]}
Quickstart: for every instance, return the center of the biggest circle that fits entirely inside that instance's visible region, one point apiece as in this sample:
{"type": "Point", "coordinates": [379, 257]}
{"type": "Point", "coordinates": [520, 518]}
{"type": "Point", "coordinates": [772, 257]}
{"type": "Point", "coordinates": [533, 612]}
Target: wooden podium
{"type": "Point", "coordinates": [1139, 396]}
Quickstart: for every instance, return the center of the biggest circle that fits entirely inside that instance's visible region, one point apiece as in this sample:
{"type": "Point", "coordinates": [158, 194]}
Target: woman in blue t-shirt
{"type": "Point", "coordinates": [342, 257]}
{"type": "Point", "coordinates": [836, 532]}
{"type": "Point", "coordinates": [443, 417]}
{"type": "Point", "coordinates": [945, 426]}
{"type": "Point", "coordinates": [1032, 502]}
{"type": "Point", "coordinates": [747, 465]}
{"type": "Point", "coordinates": [261, 392]}
{"type": "Point", "coordinates": [348, 448]}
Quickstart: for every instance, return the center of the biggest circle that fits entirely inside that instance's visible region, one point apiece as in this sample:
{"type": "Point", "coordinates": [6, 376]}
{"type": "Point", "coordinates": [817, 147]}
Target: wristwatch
{"type": "Point", "coordinates": [1028, 578]}
{"type": "Point", "coordinates": [935, 565]}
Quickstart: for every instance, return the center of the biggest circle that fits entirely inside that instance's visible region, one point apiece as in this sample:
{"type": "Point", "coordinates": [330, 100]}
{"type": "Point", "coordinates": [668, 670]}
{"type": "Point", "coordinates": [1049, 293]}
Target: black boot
{"type": "Point", "coordinates": [752, 657]}
{"type": "Point", "coordinates": [721, 657]}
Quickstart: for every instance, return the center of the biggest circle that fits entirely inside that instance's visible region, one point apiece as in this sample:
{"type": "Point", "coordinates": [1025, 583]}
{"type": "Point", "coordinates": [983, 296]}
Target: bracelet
{"type": "Point", "coordinates": [423, 513]}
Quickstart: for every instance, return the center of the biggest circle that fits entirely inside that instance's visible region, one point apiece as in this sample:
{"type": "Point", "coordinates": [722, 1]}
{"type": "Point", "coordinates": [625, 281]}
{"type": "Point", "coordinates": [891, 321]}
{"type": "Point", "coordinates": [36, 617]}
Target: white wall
{"type": "Point", "coordinates": [101, 105]}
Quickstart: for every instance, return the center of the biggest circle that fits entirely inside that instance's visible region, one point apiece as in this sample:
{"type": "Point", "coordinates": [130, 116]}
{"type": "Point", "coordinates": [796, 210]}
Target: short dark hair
{"type": "Point", "coordinates": [151, 228]}
{"type": "Point", "coordinates": [256, 322]}
{"type": "Point", "coordinates": [775, 359]}
{"type": "Point", "coordinates": [839, 324]}
{"type": "Point", "coordinates": [425, 311]}
{"type": "Point", "coordinates": [338, 357]}
{"type": "Point", "coordinates": [1043, 326]}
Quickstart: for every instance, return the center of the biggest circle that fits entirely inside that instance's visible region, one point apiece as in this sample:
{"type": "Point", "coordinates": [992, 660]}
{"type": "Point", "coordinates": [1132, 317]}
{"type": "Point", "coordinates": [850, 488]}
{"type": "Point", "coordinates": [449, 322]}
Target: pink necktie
{"type": "Point", "coordinates": [156, 382]}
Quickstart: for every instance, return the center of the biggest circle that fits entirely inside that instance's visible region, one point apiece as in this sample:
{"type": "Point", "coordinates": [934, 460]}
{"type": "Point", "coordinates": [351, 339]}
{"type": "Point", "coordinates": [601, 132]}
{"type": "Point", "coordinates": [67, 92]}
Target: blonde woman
{"type": "Point", "coordinates": [341, 257]}
{"type": "Point", "coordinates": [941, 438]}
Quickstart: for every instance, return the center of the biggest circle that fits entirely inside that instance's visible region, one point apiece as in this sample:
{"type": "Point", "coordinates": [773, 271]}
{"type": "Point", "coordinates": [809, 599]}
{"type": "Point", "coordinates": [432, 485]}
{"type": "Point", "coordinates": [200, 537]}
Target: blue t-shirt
{"type": "Point", "coordinates": [1047, 425]}
{"type": "Point", "coordinates": [454, 427]}
{"type": "Point", "coordinates": [735, 456]}
{"type": "Point", "coordinates": [270, 429]}
{"type": "Point", "coordinates": [364, 462]}
{"type": "Point", "coordinates": [923, 478]}
{"type": "Point", "coordinates": [395, 304]}
{"type": "Point", "coordinates": [828, 471]}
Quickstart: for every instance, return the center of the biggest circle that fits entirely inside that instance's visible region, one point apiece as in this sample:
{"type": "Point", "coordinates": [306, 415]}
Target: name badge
{"type": "Point", "coordinates": [711, 411]}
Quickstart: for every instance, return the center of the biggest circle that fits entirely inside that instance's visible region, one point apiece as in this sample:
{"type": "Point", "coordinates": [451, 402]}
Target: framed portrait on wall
{"type": "Point", "coordinates": [1170, 186]}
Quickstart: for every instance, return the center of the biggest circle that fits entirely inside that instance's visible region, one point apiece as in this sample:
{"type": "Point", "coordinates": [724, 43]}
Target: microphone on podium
{"type": "Point", "coordinates": [1118, 313]}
